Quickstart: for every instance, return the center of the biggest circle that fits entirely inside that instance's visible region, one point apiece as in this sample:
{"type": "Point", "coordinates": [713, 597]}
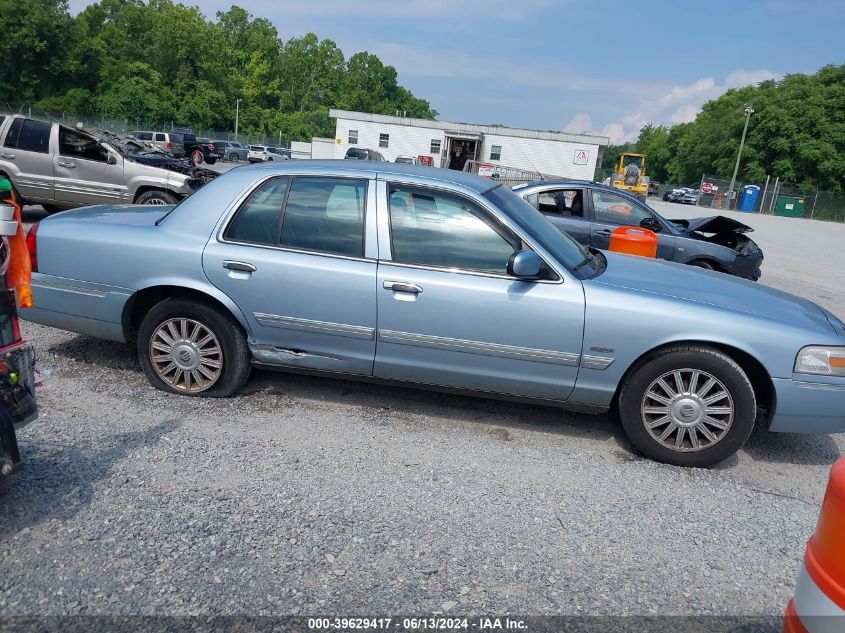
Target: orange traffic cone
{"type": "Point", "coordinates": [819, 602]}
{"type": "Point", "coordinates": [19, 272]}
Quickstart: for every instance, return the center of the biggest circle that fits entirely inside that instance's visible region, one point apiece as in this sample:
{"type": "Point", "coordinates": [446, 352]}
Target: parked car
{"type": "Point", "coordinates": [673, 195]}
{"type": "Point", "coordinates": [265, 154]}
{"type": "Point", "coordinates": [467, 288]}
{"type": "Point", "coordinates": [362, 153]}
{"type": "Point", "coordinates": [407, 160]}
{"type": "Point", "coordinates": [199, 150]}
{"type": "Point", "coordinates": [170, 142]}
{"type": "Point", "coordinates": [279, 153]}
{"type": "Point", "coordinates": [690, 196]}
{"type": "Point", "coordinates": [60, 167]}
{"type": "Point", "coordinates": [231, 151]}
{"type": "Point", "coordinates": [589, 212]}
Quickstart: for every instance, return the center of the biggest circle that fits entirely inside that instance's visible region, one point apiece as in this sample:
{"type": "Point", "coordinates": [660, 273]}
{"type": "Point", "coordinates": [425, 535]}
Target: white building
{"type": "Point", "coordinates": [448, 144]}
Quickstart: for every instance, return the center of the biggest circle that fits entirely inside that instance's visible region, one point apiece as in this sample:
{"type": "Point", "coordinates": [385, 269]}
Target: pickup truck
{"type": "Point", "coordinates": [60, 167]}
{"type": "Point", "coordinates": [199, 150]}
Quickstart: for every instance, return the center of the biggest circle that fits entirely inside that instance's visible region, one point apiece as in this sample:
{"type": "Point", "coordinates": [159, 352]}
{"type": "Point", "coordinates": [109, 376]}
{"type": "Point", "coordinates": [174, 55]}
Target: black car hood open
{"type": "Point", "coordinates": [713, 224]}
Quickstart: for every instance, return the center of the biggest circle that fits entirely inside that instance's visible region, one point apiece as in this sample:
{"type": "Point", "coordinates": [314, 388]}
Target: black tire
{"type": "Point", "coordinates": [234, 158]}
{"type": "Point", "coordinates": [700, 263]}
{"type": "Point", "coordinates": [235, 358]}
{"type": "Point", "coordinates": [632, 402]}
{"type": "Point", "coordinates": [51, 208]}
{"type": "Point", "coordinates": [156, 196]}
{"type": "Point", "coordinates": [197, 157]}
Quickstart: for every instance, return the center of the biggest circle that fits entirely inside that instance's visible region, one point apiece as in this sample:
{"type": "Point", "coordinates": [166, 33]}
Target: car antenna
{"type": "Point", "coordinates": [533, 165]}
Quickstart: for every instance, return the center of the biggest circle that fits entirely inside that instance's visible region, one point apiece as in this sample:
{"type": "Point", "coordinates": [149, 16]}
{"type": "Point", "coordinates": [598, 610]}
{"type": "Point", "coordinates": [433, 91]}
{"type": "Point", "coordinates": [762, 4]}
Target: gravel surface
{"type": "Point", "coordinates": [312, 496]}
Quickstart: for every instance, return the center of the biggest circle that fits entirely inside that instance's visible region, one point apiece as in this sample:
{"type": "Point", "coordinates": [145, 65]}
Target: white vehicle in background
{"type": "Point", "coordinates": [264, 154]}
{"type": "Point", "coordinates": [408, 160]}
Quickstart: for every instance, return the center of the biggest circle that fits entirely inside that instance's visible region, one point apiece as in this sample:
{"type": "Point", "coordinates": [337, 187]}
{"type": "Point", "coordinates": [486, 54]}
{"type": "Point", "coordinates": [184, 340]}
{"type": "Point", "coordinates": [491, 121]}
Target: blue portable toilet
{"type": "Point", "coordinates": [748, 198]}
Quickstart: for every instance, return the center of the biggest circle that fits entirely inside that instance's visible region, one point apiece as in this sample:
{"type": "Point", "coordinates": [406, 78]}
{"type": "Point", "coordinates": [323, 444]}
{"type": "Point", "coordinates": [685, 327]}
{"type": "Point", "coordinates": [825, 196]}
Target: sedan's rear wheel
{"type": "Point", "coordinates": [191, 349]}
{"type": "Point", "coordinates": [688, 406]}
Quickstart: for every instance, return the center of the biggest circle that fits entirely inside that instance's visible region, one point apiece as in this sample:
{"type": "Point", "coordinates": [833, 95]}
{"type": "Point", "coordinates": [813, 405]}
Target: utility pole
{"type": "Point", "coordinates": [748, 112]}
{"type": "Point", "coordinates": [238, 111]}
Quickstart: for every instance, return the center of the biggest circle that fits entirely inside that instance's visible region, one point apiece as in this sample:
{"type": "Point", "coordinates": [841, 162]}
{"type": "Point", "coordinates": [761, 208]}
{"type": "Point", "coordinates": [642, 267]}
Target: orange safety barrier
{"type": "Point", "coordinates": [819, 602]}
{"type": "Point", "coordinates": [634, 240]}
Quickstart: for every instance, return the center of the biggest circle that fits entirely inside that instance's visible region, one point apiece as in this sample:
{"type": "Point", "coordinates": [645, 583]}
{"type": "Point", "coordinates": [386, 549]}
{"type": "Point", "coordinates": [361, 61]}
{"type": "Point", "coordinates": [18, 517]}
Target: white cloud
{"type": "Point", "coordinates": [615, 132]}
{"type": "Point", "coordinates": [580, 123]}
{"type": "Point", "coordinates": [684, 114]}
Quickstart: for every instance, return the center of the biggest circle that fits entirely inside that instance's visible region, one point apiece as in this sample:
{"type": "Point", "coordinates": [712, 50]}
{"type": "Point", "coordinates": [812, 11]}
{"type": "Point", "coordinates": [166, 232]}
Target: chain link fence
{"type": "Point", "coordinates": [127, 125]}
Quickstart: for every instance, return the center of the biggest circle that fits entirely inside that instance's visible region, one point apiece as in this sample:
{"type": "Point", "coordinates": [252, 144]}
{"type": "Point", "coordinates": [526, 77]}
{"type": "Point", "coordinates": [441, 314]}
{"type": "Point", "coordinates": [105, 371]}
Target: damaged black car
{"type": "Point", "coordinates": [590, 212]}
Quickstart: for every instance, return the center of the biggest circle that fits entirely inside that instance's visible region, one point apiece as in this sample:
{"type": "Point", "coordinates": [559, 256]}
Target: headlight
{"type": "Point", "coordinates": [821, 361]}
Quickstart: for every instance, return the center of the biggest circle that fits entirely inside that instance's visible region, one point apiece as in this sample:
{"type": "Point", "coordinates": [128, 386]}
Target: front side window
{"type": "Point", "coordinates": [496, 152]}
{"type": "Point", "coordinates": [383, 140]}
{"type": "Point", "coordinates": [257, 221]}
{"type": "Point", "coordinates": [325, 215]}
{"type": "Point", "coordinates": [438, 229]}
{"type": "Point", "coordinates": [353, 137]}
{"type": "Point", "coordinates": [612, 208]}
{"type": "Point", "coordinates": [144, 136]}
{"type": "Point", "coordinates": [29, 135]}
{"type": "Point", "coordinates": [80, 145]}
{"type": "Point", "coordinates": [435, 146]}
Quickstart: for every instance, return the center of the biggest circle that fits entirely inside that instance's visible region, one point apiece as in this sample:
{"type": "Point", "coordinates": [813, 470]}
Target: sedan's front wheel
{"type": "Point", "coordinates": [192, 349]}
{"type": "Point", "coordinates": [688, 406]}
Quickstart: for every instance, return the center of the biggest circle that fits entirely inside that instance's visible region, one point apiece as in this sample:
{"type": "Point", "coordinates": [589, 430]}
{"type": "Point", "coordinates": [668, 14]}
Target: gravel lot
{"type": "Point", "coordinates": [311, 496]}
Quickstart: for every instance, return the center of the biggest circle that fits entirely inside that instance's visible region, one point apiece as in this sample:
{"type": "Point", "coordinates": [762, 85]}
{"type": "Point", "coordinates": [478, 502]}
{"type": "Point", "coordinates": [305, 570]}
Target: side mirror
{"type": "Point", "coordinates": [651, 224]}
{"type": "Point", "coordinates": [111, 160]}
{"type": "Point", "coordinates": [524, 265]}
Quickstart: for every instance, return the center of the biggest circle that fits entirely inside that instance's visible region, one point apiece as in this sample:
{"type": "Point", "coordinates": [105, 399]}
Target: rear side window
{"type": "Point", "coordinates": [32, 136]}
{"type": "Point", "coordinates": [325, 215]}
{"type": "Point", "coordinates": [143, 136]}
{"type": "Point", "coordinates": [160, 136]}
{"type": "Point", "coordinates": [257, 221]}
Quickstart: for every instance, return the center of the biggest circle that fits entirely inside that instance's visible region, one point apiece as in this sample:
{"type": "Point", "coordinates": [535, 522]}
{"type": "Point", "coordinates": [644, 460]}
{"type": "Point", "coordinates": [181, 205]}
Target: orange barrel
{"type": "Point", "coordinates": [634, 240]}
{"type": "Point", "coordinates": [819, 602]}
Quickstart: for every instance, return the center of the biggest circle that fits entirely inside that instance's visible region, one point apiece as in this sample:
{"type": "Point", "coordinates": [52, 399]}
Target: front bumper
{"type": "Point", "coordinates": [808, 406]}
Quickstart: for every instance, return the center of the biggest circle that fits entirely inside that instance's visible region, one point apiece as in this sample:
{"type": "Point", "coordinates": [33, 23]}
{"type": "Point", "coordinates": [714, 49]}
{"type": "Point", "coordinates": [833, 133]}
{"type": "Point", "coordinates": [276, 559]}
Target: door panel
{"type": "Point", "coordinates": [82, 172]}
{"type": "Point", "coordinates": [314, 310]}
{"type": "Point", "coordinates": [27, 147]}
{"type": "Point", "coordinates": [471, 329]}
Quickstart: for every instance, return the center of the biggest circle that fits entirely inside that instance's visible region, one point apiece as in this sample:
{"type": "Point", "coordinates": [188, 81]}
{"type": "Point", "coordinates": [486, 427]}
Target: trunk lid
{"type": "Point", "coordinates": [131, 214]}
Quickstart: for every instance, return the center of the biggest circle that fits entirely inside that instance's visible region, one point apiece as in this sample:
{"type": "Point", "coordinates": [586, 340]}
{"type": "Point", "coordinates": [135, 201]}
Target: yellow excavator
{"type": "Point", "coordinates": [629, 174]}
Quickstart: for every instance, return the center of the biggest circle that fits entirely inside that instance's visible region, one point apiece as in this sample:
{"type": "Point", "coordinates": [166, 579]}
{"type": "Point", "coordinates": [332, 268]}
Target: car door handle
{"type": "Point", "coordinates": [603, 232]}
{"type": "Point", "coordinates": [9, 156]}
{"type": "Point", "coordinates": [243, 267]}
{"type": "Point", "coordinates": [402, 286]}
{"type": "Point", "coordinates": [68, 164]}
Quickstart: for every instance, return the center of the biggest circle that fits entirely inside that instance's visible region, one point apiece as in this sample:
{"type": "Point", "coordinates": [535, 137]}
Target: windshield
{"type": "Point", "coordinates": [636, 161]}
{"type": "Point", "coordinates": [567, 251]}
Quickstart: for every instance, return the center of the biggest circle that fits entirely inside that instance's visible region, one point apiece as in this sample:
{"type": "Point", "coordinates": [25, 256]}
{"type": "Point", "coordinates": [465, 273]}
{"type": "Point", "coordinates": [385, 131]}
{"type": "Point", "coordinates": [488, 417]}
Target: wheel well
{"type": "Point", "coordinates": [145, 188]}
{"type": "Point", "coordinates": [713, 263]}
{"type": "Point", "coordinates": [142, 301]}
{"type": "Point", "coordinates": [761, 382]}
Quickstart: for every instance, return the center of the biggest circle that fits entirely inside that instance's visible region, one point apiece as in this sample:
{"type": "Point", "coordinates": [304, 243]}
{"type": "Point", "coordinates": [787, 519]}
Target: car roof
{"type": "Point", "coordinates": [472, 182]}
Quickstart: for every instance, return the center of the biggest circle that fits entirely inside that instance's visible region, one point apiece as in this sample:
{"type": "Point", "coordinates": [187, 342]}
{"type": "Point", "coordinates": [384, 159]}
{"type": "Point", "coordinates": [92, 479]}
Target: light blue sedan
{"type": "Point", "coordinates": [434, 278]}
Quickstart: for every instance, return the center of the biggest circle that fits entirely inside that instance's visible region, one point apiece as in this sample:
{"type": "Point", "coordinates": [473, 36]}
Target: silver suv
{"type": "Point", "coordinates": [60, 167]}
{"type": "Point", "coordinates": [169, 142]}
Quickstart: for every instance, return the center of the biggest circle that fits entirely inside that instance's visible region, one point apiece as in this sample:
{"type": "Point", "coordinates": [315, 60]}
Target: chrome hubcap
{"type": "Point", "coordinates": [687, 410]}
{"type": "Point", "coordinates": [155, 201]}
{"type": "Point", "coordinates": [186, 355]}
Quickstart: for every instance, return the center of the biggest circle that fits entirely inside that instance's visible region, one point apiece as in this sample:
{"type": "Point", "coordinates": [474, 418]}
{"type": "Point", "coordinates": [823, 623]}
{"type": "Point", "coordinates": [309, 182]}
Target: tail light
{"type": "Point", "coordinates": [32, 247]}
{"type": "Point", "coordinates": [169, 145]}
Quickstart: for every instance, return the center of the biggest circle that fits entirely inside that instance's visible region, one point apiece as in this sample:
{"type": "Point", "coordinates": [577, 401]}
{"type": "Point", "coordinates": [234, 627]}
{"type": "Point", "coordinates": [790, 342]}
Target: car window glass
{"type": "Point", "coordinates": [307, 223]}
{"type": "Point", "coordinates": [159, 136]}
{"type": "Point", "coordinates": [257, 220]}
{"type": "Point", "coordinates": [35, 136]}
{"type": "Point", "coordinates": [547, 202]}
{"type": "Point", "coordinates": [437, 229]}
{"type": "Point", "coordinates": [13, 133]}
{"type": "Point", "coordinates": [612, 208]}
{"type": "Point", "coordinates": [144, 136]}
{"type": "Point", "coordinates": [80, 145]}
